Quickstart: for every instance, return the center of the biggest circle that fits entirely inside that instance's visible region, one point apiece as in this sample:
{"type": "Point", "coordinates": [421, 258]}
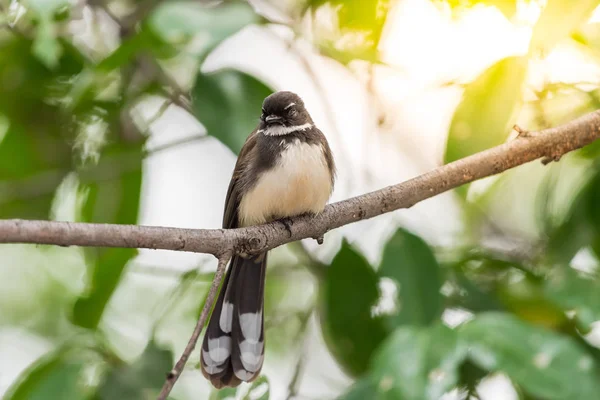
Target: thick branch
{"type": "Point", "coordinates": [550, 143]}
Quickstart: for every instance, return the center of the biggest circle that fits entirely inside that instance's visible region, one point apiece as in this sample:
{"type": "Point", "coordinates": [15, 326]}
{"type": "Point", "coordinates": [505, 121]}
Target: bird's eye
{"type": "Point", "coordinates": [292, 112]}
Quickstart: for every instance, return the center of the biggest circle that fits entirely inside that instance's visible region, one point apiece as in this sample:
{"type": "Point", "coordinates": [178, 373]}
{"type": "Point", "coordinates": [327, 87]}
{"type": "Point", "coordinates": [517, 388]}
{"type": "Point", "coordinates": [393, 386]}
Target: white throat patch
{"type": "Point", "coordinates": [279, 130]}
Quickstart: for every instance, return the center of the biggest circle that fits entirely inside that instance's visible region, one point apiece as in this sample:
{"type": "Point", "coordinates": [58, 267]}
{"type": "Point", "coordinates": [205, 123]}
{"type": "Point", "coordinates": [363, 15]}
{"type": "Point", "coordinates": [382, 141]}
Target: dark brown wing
{"type": "Point", "coordinates": [222, 359]}
{"type": "Point", "coordinates": [328, 155]}
{"type": "Point", "coordinates": [232, 200]}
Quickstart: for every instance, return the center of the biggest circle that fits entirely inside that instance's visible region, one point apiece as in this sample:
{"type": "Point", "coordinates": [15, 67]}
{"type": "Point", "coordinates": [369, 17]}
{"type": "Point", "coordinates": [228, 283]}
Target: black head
{"type": "Point", "coordinates": [284, 109]}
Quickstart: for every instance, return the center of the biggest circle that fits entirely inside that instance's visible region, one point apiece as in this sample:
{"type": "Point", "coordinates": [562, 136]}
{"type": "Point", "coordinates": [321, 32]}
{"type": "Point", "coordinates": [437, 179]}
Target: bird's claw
{"type": "Point", "coordinates": [287, 223]}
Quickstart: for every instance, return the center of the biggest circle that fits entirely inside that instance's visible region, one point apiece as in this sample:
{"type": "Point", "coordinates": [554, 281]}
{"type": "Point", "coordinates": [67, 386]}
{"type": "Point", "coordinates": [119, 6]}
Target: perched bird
{"type": "Point", "coordinates": [284, 169]}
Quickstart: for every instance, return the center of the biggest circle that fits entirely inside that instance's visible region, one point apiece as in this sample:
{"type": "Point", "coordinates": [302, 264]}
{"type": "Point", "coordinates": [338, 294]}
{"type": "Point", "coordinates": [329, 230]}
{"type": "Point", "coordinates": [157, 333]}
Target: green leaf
{"type": "Point", "coordinates": [543, 363]}
{"type": "Point", "coordinates": [32, 166]}
{"type": "Point", "coordinates": [506, 7]}
{"type": "Point", "coordinates": [228, 104]}
{"type": "Point", "coordinates": [574, 292]}
{"type": "Point", "coordinates": [409, 261]}
{"type": "Point", "coordinates": [487, 110]}
{"type": "Point", "coordinates": [141, 380]}
{"type": "Point", "coordinates": [35, 154]}
{"type": "Point", "coordinates": [581, 226]}
{"type": "Point", "coordinates": [559, 19]}
{"type": "Point", "coordinates": [178, 21]}
{"type": "Point", "coordinates": [260, 389]}
{"type": "Point", "coordinates": [526, 299]}
{"type": "Point", "coordinates": [226, 393]}
{"type": "Point", "coordinates": [125, 53]}
{"type": "Point", "coordinates": [46, 46]}
{"type": "Point", "coordinates": [419, 363]}
{"type": "Point", "coordinates": [54, 376]}
{"type": "Point", "coordinates": [365, 388]}
{"type": "Point", "coordinates": [114, 187]}
{"type": "Point", "coordinates": [348, 294]}
{"type": "Point", "coordinates": [474, 296]}
{"type": "Point", "coordinates": [360, 22]}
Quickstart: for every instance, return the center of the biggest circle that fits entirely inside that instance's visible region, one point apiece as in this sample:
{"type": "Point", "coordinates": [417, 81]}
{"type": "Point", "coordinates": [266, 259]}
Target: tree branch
{"type": "Point", "coordinates": [549, 143]}
{"type": "Point", "coordinates": [210, 299]}
{"type": "Point", "coordinates": [222, 243]}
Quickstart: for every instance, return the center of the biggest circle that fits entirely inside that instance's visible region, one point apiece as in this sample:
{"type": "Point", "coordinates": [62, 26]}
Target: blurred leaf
{"type": "Point", "coordinates": [559, 106]}
{"type": "Point", "coordinates": [474, 298]}
{"type": "Point", "coordinates": [366, 15]}
{"type": "Point", "coordinates": [486, 112]}
{"type": "Point", "coordinates": [37, 87]}
{"type": "Point", "coordinates": [559, 19]}
{"type": "Point", "coordinates": [114, 187]}
{"type": "Point", "coordinates": [365, 388]}
{"type": "Point", "coordinates": [419, 363]}
{"type": "Point", "coordinates": [359, 23]}
{"type": "Point", "coordinates": [260, 389]}
{"type": "Point", "coordinates": [470, 376]}
{"type": "Point", "coordinates": [544, 363]}
{"type": "Point", "coordinates": [228, 104]}
{"type": "Point", "coordinates": [125, 53]}
{"type": "Point", "coordinates": [581, 226]}
{"type": "Point", "coordinates": [32, 166]}
{"type": "Point", "coordinates": [178, 21]}
{"type": "Point", "coordinates": [54, 376]}
{"type": "Point", "coordinates": [348, 294]}
{"type": "Point", "coordinates": [409, 261]}
{"type": "Point", "coordinates": [140, 380]}
{"type": "Point", "coordinates": [525, 298]}
{"type": "Point", "coordinates": [592, 197]}
{"type": "Point", "coordinates": [588, 35]}
{"type": "Point", "coordinates": [35, 154]}
{"type": "Point", "coordinates": [227, 393]}
{"type": "Point", "coordinates": [46, 46]}
{"type": "Point", "coordinates": [506, 7]}
{"type": "Point", "coordinates": [572, 291]}
{"type": "Point", "coordinates": [476, 279]}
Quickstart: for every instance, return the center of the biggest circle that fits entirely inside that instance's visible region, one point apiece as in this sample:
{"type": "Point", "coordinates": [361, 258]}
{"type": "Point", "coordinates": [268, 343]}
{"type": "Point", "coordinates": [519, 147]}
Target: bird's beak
{"type": "Point", "coordinates": [272, 118]}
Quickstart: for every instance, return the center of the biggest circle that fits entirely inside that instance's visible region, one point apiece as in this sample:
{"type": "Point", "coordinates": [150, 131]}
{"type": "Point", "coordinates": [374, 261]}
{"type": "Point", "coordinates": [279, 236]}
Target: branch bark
{"type": "Point", "coordinates": [548, 144]}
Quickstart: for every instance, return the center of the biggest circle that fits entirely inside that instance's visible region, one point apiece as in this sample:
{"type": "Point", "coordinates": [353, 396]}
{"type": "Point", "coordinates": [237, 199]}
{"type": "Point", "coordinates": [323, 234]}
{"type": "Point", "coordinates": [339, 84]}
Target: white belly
{"type": "Point", "coordinates": [299, 182]}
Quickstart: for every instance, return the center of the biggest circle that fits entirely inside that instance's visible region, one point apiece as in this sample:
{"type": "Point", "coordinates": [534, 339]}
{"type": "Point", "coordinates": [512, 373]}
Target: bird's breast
{"type": "Point", "coordinates": [298, 182]}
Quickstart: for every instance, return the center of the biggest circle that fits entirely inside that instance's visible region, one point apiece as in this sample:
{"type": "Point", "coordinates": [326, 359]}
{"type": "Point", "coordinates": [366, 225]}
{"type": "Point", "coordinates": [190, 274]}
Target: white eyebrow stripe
{"type": "Point", "coordinates": [289, 105]}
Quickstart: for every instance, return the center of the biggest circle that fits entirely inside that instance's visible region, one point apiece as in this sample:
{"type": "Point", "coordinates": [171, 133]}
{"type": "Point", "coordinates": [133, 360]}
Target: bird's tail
{"type": "Point", "coordinates": [233, 346]}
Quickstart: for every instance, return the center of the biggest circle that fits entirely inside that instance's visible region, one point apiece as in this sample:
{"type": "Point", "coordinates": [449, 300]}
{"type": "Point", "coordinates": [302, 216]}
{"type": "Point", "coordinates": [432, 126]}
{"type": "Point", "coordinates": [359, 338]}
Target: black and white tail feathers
{"type": "Point", "coordinates": [233, 347]}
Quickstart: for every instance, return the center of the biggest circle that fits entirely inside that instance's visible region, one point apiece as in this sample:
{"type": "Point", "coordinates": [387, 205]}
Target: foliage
{"type": "Point", "coordinates": [66, 115]}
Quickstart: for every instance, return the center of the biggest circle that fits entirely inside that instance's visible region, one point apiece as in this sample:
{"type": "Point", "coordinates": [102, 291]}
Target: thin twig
{"type": "Point", "coordinates": [158, 114]}
{"type": "Point", "coordinates": [145, 62]}
{"type": "Point", "coordinates": [212, 292]}
{"type": "Point", "coordinates": [293, 386]}
{"type": "Point", "coordinates": [176, 143]}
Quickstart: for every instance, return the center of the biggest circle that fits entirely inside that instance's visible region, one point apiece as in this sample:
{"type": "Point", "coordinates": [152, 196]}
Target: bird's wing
{"type": "Point", "coordinates": [232, 200]}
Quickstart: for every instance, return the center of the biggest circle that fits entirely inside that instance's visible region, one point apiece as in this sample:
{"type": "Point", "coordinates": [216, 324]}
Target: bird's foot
{"type": "Point", "coordinates": [287, 223]}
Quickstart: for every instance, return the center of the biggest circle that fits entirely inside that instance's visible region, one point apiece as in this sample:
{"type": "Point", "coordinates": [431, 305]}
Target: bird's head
{"type": "Point", "coordinates": [283, 113]}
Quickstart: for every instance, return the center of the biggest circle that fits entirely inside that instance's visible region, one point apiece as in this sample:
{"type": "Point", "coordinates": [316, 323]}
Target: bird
{"type": "Point", "coordinates": [284, 169]}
